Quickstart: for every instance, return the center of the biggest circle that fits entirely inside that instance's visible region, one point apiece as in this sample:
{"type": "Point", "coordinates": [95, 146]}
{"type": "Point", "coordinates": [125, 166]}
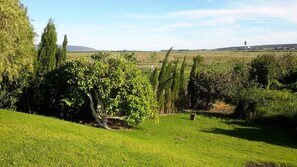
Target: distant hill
{"type": "Point", "coordinates": [73, 48]}
{"type": "Point", "coordinates": [261, 47]}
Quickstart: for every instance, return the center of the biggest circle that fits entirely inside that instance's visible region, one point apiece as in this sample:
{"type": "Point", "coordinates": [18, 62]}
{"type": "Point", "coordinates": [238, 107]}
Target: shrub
{"type": "Point", "coordinates": [207, 87]}
{"type": "Point", "coordinates": [269, 106]}
{"type": "Point", "coordinates": [263, 69]}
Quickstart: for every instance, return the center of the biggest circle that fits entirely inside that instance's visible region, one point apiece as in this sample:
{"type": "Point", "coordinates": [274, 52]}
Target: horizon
{"type": "Point", "coordinates": [158, 25]}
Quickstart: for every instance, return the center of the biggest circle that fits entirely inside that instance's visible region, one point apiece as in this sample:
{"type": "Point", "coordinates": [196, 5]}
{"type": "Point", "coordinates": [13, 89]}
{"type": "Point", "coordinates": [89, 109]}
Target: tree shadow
{"type": "Point", "coordinates": [214, 114]}
{"type": "Point", "coordinates": [278, 137]}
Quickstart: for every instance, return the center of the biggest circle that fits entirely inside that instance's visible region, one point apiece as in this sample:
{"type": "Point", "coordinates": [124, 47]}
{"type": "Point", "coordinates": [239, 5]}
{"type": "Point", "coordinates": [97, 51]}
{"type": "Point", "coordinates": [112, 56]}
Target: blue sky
{"type": "Point", "coordinates": [161, 24]}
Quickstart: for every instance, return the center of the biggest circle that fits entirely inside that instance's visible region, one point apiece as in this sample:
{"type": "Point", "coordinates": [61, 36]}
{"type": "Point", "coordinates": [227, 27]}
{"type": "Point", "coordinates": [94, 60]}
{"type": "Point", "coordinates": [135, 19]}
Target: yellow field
{"type": "Point", "coordinates": [146, 59]}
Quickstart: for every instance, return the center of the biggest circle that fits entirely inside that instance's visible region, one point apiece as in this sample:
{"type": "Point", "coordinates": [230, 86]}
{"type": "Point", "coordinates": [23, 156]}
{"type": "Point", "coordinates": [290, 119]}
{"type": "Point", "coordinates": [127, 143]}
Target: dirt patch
{"type": "Point", "coordinates": [117, 123]}
{"type": "Point", "coordinates": [267, 164]}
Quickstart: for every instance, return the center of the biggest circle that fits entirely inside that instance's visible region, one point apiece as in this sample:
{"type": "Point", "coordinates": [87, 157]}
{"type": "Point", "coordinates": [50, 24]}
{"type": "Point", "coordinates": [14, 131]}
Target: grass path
{"type": "Point", "coordinates": [31, 140]}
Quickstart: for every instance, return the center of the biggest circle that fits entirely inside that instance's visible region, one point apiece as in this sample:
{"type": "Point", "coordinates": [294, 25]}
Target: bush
{"type": "Point", "coordinates": [270, 70]}
{"type": "Point", "coordinates": [208, 87]}
{"type": "Point", "coordinates": [54, 95]}
{"type": "Point", "coordinates": [263, 69]}
{"type": "Point", "coordinates": [269, 106]}
{"type": "Point", "coordinates": [11, 91]}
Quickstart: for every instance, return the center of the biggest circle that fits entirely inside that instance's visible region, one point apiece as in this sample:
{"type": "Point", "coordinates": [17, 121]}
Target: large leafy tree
{"type": "Point", "coordinates": [16, 40]}
{"type": "Point", "coordinates": [17, 52]}
{"type": "Point", "coordinates": [114, 87]}
{"type": "Point", "coordinates": [47, 49]}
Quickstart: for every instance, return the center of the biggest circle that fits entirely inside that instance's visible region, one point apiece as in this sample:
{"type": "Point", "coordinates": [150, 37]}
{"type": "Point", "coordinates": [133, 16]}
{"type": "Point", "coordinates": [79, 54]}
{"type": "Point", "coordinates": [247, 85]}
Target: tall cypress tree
{"type": "Point", "coordinates": [65, 42]}
{"type": "Point", "coordinates": [168, 90]}
{"type": "Point", "coordinates": [47, 49]}
{"type": "Point", "coordinates": [196, 61]}
{"type": "Point", "coordinates": [61, 52]}
{"type": "Point", "coordinates": [175, 86]}
{"type": "Point", "coordinates": [154, 79]}
{"type": "Point", "coordinates": [181, 101]}
{"type": "Point", "coordinates": [162, 83]}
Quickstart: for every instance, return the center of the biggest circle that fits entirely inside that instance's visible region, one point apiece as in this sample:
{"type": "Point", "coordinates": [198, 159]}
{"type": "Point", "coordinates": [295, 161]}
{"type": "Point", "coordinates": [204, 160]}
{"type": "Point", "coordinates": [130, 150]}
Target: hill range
{"type": "Point", "coordinates": [74, 48]}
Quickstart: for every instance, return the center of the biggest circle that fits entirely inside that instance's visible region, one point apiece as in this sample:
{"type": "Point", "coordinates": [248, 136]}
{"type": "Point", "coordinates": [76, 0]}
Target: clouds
{"type": "Point", "coordinates": [269, 11]}
{"type": "Point", "coordinates": [191, 24]}
{"type": "Point", "coordinates": [259, 21]}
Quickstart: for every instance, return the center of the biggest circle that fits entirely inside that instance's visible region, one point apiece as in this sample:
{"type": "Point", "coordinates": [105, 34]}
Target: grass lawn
{"type": "Point", "coordinates": [31, 140]}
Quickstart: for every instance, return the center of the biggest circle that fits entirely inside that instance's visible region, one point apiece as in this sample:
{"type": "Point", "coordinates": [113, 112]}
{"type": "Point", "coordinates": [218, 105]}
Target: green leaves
{"type": "Point", "coordinates": [17, 51]}
{"type": "Point", "coordinates": [119, 86]}
{"type": "Point", "coordinates": [47, 49]}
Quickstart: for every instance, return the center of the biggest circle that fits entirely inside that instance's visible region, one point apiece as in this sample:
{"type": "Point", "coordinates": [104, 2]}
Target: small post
{"type": "Point", "coordinates": [193, 116]}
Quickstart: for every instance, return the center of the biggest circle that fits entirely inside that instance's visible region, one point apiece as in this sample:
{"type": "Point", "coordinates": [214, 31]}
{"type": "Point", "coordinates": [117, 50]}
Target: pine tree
{"type": "Point", "coordinates": [47, 49]}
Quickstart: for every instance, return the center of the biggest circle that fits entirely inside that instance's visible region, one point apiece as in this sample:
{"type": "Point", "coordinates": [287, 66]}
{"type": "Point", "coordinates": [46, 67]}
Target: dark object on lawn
{"type": "Point", "coordinates": [193, 116]}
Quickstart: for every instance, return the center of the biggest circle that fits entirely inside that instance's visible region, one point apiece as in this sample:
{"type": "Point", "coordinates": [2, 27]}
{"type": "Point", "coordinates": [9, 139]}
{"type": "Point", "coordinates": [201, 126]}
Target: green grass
{"type": "Point", "coordinates": [31, 140]}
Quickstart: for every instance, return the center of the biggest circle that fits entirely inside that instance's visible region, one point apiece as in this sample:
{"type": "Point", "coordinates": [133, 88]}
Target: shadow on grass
{"type": "Point", "coordinates": [213, 114]}
{"type": "Point", "coordinates": [263, 134]}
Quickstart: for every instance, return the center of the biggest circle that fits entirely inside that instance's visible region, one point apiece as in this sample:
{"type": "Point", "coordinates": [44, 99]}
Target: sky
{"type": "Point", "coordinates": [154, 25]}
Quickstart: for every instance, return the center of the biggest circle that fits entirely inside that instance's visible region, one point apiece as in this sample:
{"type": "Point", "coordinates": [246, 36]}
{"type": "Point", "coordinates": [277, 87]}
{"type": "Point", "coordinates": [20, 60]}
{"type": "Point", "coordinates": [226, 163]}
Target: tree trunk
{"type": "Point", "coordinates": [99, 113]}
{"type": "Point", "coordinates": [27, 100]}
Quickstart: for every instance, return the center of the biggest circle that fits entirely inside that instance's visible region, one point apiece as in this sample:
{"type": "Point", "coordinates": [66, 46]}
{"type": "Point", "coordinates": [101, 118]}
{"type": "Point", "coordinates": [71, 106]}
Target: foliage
{"type": "Point", "coordinates": [32, 140]}
{"type": "Point", "coordinates": [11, 91]}
{"type": "Point", "coordinates": [167, 85]}
{"type": "Point", "coordinates": [196, 62]}
{"type": "Point", "coordinates": [56, 96]}
{"type": "Point", "coordinates": [267, 68]}
{"type": "Point", "coordinates": [207, 87]}
{"type": "Point", "coordinates": [275, 107]}
{"type": "Point", "coordinates": [59, 56]}
{"type": "Point", "coordinates": [154, 79]}
{"type": "Point", "coordinates": [240, 80]}
{"type": "Point", "coordinates": [129, 56]}
{"type": "Point", "coordinates": [64, 46]}
{"type": "Point", "coordinates": [114, 88]}
{"type": "Point", "coordinates": [17, 51]}
{"type": "Point", "coordinates": [101, 56]}
{"type": "Point", "coordinates": [61, 52]}
{"type": "Point", "coordinates": [182, 93]}
{"type": "Point", "coordinates": [47, 49]}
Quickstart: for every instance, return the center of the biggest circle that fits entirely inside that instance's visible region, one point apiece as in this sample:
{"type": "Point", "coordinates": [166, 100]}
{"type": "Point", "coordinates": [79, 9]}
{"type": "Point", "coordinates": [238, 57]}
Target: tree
{"type": "Point", "coordinates": [65, 42]}
{"type": "Point", "coordinates": [47, 49]}
{"type": "Point", "coordinates": [154, 79]}
{"type": "Point", "coordinates": [115, 87]}
{"type": "Point", "coordinates": [61, 54]}
{"type": "Point", "coordinates": [167, 85]}
{"type": "Point", "coordinates": [17, 51]}
{"type": "Point", "coordinates": [182, 100]}
{"type": "Point", "coordinates": [196, 62]}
